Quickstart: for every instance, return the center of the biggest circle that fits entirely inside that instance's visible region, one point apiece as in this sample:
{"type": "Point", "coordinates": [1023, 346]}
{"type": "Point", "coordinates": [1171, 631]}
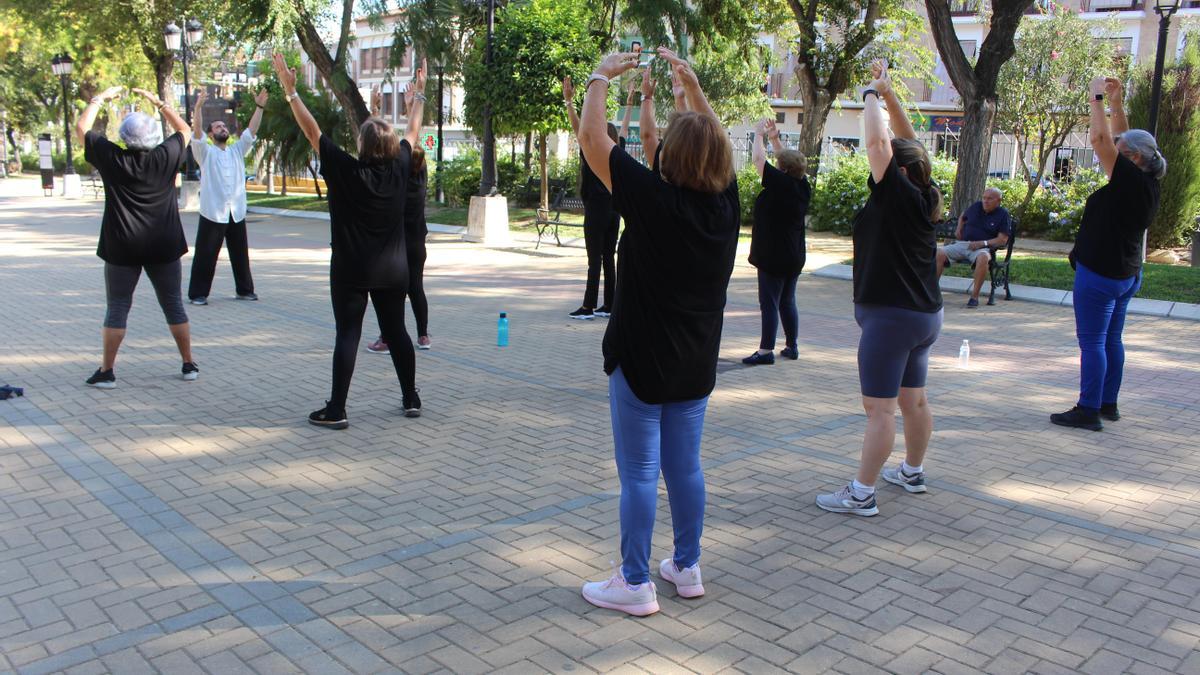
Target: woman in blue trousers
{"type": "Point", "coordinates": [1108, 254]}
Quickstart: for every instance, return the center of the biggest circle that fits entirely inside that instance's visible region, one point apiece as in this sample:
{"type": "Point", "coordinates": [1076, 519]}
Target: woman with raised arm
{"type": "Point", "coordinates": [140, 229]}
{"type": "Point", "coordinates": [366, 218]}
{"type": "Point", "coordinates": [777, 242]}
{"type": "Point", "coordinates": [660, 349]}
{"type": "Point", "coordinates": [897, 302]}
{"type": "Point", "coordinates": [1107, 256]}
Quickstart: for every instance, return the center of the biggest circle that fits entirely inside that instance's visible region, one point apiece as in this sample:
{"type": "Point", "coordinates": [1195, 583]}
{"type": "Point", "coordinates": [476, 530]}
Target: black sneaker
{"type": "Point", "coordinates": [583, 314]}
{"type": "Point", "coordinates": [760, 359]}
{"type": "Point", "coordinates": [603, 311]}
{"type": "Point", "coordinates": [190, 371]}
{"type": "Point", "coordinates": [412, 404]}
{"type": "Point", "coordinates": [1109, 412]}
{"type": "Point", "coordinates": [1079, 418]}
{"type": "Point", "coordinates": [247, 296]}
{"type": "Point", "coordinates": [103, 379]}
{"type": "Point", "coordinates": [790, 353]}
{"type": "Point", "coordinates": [329, 418]}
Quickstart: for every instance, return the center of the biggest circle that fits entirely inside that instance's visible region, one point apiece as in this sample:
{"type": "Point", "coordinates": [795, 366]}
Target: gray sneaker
{"type": "Point", "coordinates": [912, 483]}
{"type": "Point", "coordinates": [844, 501]}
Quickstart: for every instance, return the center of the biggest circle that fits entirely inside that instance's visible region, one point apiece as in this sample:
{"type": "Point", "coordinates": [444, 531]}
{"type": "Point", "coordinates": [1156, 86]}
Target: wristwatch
{"type": "Point", "coordinates": [291, 96]}
{"type": "Point", "coordinates": [595, 77]}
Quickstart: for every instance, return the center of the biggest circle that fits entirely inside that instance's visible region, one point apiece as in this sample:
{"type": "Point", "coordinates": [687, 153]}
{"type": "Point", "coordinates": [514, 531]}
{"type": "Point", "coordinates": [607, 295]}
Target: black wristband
{"type": "Point", "coordinates": [1099, 97]}
{"type": "Point", "coordinates": [869, 91]}
{"type": "Point", "coordinates": [259, 106]}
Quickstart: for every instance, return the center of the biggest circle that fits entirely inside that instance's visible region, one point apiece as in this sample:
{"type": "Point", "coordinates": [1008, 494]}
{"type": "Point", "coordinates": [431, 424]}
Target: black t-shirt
{"type": "Point", "coordinates": [895, 246]}
{"type": "Point", "coordinates": [141, 214]}
{"type": "Point", "coordinates": [366, 217]}
{"type": "Point", "coordinates": [415, 227]}
{"type": "Point", "coordinates": [677, 253]}
{"type": "Point", "coordinates": [1109, 242]}
{"type": "Point", "coordinates": [590, 187]}
{"type": "Point", "coordinates": [777, 245]}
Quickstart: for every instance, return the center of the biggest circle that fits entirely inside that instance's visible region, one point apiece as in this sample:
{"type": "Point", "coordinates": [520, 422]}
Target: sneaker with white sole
{"type": "Point", "coordinates": [637, 600]}
{"type": "Point", "coordinates": [423, 342]}
{"type": "Point", "coordinates": [379, 347]}
{"type": "Point", "coordinates": [583, 314]}
{"type": "Point", "coordinates": [189, 372]}
{"type": "Point", "coordinates": [844, 501]}
{"type": "Point", "coordinates": [687, 580]}
{"type": "Point", "coordinates": [913, 483]}
{"type": "Point", "coordinates": [103, 379]}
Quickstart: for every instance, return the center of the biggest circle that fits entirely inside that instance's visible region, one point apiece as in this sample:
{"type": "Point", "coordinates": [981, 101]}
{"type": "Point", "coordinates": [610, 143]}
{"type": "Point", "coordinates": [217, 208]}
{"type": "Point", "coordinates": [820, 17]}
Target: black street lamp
{"type": "Point", "coordinates": [62, 65]}
{"type": "Point", "coordinates": [487, 182]}
{"type": "Point", "coordinates": [181, 42]}
{"type": "Point", "coordinates": [439, 62]}
{"type": "Point", "coordinates": [1164, 9]}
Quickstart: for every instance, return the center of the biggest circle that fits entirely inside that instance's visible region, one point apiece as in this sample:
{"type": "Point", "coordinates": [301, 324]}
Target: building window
{"type": "Point", "coordinates": [799, 118]}
{"type": "Point", "coordinates": [846, 143]}
{"type": "Point", "coordinates": [780, 118]}
{"type": "Point", "coordinates": [365, 59]}
{"type": "Point", "coordinates": [387, 105]}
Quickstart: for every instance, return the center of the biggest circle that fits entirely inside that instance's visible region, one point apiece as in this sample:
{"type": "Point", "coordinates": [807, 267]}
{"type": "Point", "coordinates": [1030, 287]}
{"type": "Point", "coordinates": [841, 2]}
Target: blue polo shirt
{"type": "Point", "coordinates": [981, 226]}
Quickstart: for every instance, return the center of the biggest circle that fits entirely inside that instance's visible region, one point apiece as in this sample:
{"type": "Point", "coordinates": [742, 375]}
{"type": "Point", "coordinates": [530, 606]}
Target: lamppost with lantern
{"type": "Point", "coordinates": [63, 65]}
{"type": "Point", "coordinates": [439, 62]}
{"type": "Point", "coordinates": [487, 182]}
{"type": "Point", "coordinates": [181, 42]}
{"type": "Point", "coordinates": [1164, 9]}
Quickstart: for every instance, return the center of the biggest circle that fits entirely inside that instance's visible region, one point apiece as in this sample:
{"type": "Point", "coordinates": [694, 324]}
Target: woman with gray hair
{"type": "Point", "coordinates": [1108, 254]}
{"type": "Point", "coordinates": [140, 228]}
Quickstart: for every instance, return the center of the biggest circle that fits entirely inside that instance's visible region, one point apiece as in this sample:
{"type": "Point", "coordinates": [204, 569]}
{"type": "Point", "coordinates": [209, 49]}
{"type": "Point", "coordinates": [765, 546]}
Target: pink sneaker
{"type": "Point", "coordinates": [687, 581]}
{"type": "Point", "coordinates": [638, 600]}
{"type": "Point", "coordinates": [423, 342]}
{"type": "Point", "coordinates": [379, 347]}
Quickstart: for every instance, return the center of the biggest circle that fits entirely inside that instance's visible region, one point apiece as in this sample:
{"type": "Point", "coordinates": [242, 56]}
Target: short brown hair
{"type": "Point", "coordinates": [792, 163]}
{"type": "Point", "coordinates": [911, 155]}
{"type": "Point", "coordinates": [377, 141]}
{"type": "Point", "coordinates": [696, 153]}
{"type": "Point", "coordinates": [418, 159]}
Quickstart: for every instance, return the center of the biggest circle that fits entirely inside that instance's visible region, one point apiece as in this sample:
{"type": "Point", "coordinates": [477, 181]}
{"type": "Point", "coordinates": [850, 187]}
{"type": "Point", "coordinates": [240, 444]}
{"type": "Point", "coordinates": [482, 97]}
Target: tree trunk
{"type": "Point", "coordinates": [544, 199]}
{"type": "Point", "coordinates": [163, 76]}
{"type": "Point", "coordinates": [343, 87]}
{"type": "Point", "coordinates": [812, 127]}
{"type": "Point", "coordinates": [316, 184]}
{"type": "Point", "coordinates": [270, 170]}
{"type": "Point", "coordinates": [528, 151]}
{"type": "Point", "coordinates": [16, 149]}
{"type": "Point", "coordinates": [974, 153]}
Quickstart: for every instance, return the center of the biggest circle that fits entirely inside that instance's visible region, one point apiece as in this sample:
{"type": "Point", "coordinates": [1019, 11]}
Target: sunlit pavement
{"type": "Point", "coordinates": [206, 527]}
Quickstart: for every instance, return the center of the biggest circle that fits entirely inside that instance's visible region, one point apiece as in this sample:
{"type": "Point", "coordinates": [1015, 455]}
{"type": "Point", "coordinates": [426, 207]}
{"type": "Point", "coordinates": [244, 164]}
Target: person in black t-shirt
{"type": "Point", "coordinates": [661, 345]}
{"type": "Point", "coordinates": [366, 218]}
{"type": "Point", "coordinates": [1107, 256]}
{"type": "Point", "coordinates": [601, 223]}
{"type": "Point", "coordinates": [897, 302]}
{"type": "Point", "coordinates": [141, 227]}
{"type": "Point", "coordinates": [777, 243]}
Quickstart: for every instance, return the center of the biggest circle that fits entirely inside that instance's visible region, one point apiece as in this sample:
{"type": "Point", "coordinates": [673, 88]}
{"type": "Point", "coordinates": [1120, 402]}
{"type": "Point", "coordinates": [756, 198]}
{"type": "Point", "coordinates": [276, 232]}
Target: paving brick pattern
{"type": "Point", "coordinates": [205, 527]}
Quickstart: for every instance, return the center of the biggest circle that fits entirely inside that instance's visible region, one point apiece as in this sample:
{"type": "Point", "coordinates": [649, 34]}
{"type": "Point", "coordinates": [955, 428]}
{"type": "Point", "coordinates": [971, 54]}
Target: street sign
{"type": "Point", "coordinates": [46, 163]}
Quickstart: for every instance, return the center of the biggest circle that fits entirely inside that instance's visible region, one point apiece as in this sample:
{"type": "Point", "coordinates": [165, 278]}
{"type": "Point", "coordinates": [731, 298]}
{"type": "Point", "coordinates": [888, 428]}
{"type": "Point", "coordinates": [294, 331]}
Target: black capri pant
{"type": "Point", "coordinates": [121, 280]}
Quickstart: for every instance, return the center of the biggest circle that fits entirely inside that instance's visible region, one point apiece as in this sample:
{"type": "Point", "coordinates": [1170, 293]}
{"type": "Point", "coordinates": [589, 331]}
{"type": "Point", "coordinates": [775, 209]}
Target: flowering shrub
{"type": "Point", "coordinates": [842, 190]}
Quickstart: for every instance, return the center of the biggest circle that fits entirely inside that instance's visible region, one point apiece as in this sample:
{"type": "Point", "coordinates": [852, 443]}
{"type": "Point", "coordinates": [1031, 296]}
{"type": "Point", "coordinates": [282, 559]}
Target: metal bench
{"type": "Point", "coordinates": [95, 184]}
{"type": "Point", "coordinates": [999, 271]}
{"type": "Point", "coordinates": [560, 202]}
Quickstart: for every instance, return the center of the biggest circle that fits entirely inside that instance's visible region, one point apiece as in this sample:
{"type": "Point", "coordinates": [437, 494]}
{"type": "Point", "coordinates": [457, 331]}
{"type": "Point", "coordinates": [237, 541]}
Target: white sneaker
{"type": "Point", "coordinates": [638, 600]}
{"type": "Point", "coordinates": [687, 581]}
{"type": "Point", "coordinates": [844, 501]}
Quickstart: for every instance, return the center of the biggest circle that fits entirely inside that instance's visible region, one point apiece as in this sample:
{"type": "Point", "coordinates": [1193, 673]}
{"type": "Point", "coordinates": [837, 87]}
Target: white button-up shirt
{"type": "Point", "coordinates": [223, 178]}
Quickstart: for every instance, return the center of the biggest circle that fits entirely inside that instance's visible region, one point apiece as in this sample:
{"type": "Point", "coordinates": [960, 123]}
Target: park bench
{"type": "Point", "coordinates": [560, 202]}
{"type": "Point", "coordinates": [95, 184]}
{"type": "Point", "coordinates": [999, 271]}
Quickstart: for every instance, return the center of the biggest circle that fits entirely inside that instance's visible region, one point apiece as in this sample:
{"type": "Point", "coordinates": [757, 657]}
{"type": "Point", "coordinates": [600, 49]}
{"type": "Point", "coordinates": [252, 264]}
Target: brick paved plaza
{"type": "Point", "coordinates": [206, 527]}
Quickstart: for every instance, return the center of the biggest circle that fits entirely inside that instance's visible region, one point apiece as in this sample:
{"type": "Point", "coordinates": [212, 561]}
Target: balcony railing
{"type": "Point", "coordinates": [964, 7]}
{"type": "Point", "coordinates": [1111, 5]}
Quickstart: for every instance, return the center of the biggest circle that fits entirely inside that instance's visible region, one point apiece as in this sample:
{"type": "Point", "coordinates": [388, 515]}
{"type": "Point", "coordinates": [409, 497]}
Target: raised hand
{"type": "Point", "coordinates": [882, 82]}
{"type": "Point", "coordinates": [110, 93]}
{"type": "Point", "coordinates": [760, 128]}
{"type": "Point", "coordinates": [1112, 89]}
{"type": "Point", "coordinates": [200, 97]}
{"type": "Point", "coordinates": [676, 87]}
{"type": "Point", "coordinates": [647, 84]}
{"type": "Point", "coordinates": [769, 129]}
{"type": "Point", "coordinates": [261, 97]}
{"type": "Point", "coordinates": [287, 76]}
{"type": "Point", "coordinates": [419, 80]}
{"type": "Point", "coordinates": [149, 96]}
{"type": "Point", "coordinates": [410, 95]}
{"type": "Point", "coordinates": [376, 101]}
{"type": "Point", "coordinates": [617, 63]}
{"type": "Point", "coordinates": [568, 91]}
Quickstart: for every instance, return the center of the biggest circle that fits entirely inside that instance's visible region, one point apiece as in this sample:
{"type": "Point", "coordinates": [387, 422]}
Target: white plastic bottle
{"type": "Point", "coordinates": [964, 355]}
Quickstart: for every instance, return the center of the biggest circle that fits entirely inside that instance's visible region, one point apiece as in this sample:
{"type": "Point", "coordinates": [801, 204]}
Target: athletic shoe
{"type": "Point", "coordinates": [583, 314]}
{"type": "Point", "coordinates": [603, 311]}
{"type": "Point", "coordinates": [190, 372]}
{"type": "Point", "coordinates": [412, 404]}
{"type": "Point", "coordinates": [247, 296]}
{"type": "Point", "coordinates": [790, 353]}
{"type": "Point", "coordinates": [911, 482]}
{"type": "Point", "coordinates": [1079, 418]}
{"type": "Point", "coordinates": [760, 359]}
{"type": "Point", "coordinates": [379, 347]}
{"type": "Point", "coordinates": [638, 600]}
{"type": "Point", "coordinates": [199, 301]}
{"type": "Point", "coordinates": [844, 501]}
{"type": "Point", "coordinates": [687, 581]}
{"type": "Point", "coordinates": [329, 418]}
{"type": "Point", "coordinates": [103, 379]}
{"type": "Point", "coordinates": [973, 303]}
{"type": "Point", "coordinates": [1109, 412]}
{"type": "Point", "coordinates": [423, 342]}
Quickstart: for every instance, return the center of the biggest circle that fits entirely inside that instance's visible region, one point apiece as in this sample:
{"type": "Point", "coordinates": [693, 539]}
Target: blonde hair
{"type": "Point", "coordinates": [793, 163]}
{"type": "Point", "coordinates": [911, 155]}
{"type": "Point", "coordinates": [696, 153]}
{"type": "Point", "coordinates": [377, 141]}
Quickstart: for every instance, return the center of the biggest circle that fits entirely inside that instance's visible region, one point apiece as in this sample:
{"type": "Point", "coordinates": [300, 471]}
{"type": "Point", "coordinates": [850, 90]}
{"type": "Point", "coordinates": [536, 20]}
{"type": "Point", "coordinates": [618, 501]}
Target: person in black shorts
{"type": "Point", "coordinates": [366, 218]}
{"type": "Point", "coordinates": [1107, 256]}
{"type": "Point", "coordinates": [777, 242]}
{"type": "Point", "coordinates": [897, 302]}
{"type": "Point", "coordinates": [141, 229]}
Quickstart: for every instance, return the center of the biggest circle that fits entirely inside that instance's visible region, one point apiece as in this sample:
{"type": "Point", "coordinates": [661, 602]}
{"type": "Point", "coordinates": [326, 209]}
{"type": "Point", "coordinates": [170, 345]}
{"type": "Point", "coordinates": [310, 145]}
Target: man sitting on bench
{"type": "Point", "coordinates": [984, 227]}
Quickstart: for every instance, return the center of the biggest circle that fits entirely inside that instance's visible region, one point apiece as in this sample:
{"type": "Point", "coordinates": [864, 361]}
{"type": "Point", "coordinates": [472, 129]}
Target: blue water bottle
{"type": "Point", "coordinates": [502, 330]}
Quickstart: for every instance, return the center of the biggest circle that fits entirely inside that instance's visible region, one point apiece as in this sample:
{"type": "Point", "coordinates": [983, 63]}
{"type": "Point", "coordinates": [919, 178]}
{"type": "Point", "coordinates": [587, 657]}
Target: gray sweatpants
{"type": "Point", "coordinates": [121, 280]}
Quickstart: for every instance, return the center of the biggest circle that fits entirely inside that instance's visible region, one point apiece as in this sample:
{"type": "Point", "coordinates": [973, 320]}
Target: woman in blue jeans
{"type": "Point", "coordinates": [1108, 254]}
{"type": "Point", "coordinates": [661, 343]}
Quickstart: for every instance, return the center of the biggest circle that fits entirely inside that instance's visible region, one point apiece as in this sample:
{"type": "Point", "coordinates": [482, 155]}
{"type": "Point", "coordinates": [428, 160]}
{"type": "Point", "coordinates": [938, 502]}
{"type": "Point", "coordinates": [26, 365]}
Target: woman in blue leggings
{"type": "Point", "coordinates": [1108, 254]}
{"type": "Point", "coordinates": [661, 344]}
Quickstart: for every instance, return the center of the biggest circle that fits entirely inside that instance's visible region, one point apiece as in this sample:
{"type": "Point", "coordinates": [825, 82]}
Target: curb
{"type": "Point", "coordinates": [1048, 296]}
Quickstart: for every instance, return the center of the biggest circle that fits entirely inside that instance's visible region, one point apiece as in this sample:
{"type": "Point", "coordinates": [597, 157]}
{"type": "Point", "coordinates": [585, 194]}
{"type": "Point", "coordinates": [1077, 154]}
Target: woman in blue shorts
{"type": "Point", "coordinates": [897, 302]}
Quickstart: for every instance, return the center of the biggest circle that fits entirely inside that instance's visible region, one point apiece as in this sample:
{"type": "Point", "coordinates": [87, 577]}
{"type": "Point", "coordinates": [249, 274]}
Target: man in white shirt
{"type": "Point", "coordinates": [222, 202]}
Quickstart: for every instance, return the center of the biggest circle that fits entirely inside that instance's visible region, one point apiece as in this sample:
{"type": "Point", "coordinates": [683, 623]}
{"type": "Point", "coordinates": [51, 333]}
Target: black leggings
{"type": "Point", "coordinates": [349, 306]}
{"type": "Point", "coordinates": [121, 280]}
{"type": "Point", "coordinates": [416, 289]}
{"type": "Point", "coordinates": [600, 226]}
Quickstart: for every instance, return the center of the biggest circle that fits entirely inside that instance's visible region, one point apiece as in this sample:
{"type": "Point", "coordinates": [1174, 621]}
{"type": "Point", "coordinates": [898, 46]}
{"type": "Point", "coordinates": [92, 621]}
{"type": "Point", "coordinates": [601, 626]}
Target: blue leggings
{"type": "Point", "coordinates": [1100, 304]}
{"type": "Point", "coordinates": [777, 300]}
{"type": "Point", "coordinates": [647, 437]}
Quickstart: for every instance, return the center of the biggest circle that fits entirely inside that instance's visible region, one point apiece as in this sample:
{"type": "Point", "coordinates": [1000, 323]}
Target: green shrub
{"type": "Point", "coordinates": [461, 176]}
{"type": "Point", "coordinates": [1050, 216]}
{"type": "Point", "coordinates": [842, 190]}
{"type": "Point", "coordinates": [31, 162]}
{"type": "Point", "coordinates": [749, 185]}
